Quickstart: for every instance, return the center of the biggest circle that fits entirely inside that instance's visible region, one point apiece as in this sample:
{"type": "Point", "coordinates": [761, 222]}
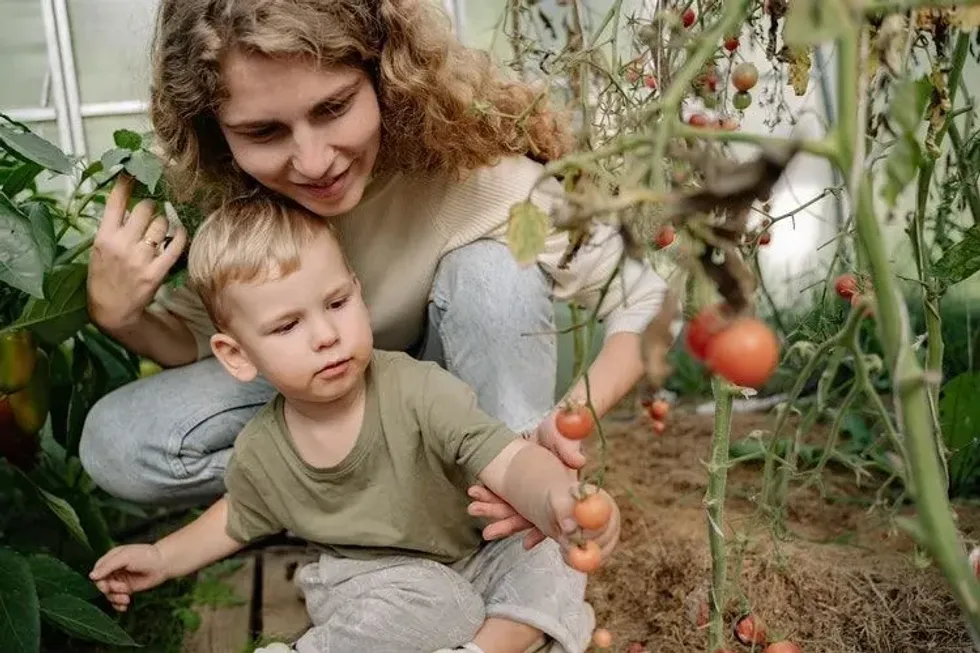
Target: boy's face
{"type": "Point", "coordinates": [308, 333]}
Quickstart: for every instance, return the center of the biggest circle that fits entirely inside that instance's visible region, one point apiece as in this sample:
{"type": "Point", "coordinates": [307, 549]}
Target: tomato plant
{"type": "Point", "coordinates": [745, 76]}
{"type": "Point", "coordinates": [742, 100]}
{"type": "Point", "coordinates": [750, 631]}
{"type": "Point", "coordinates": [846, 285]}
{"type": "Point", "coordinates": [731, 43]}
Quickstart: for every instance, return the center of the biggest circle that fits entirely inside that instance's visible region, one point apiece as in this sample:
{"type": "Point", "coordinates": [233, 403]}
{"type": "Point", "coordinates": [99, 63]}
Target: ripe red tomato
{"type": "Point", "coordinates": [749, 631]}
{"type": "Point", "coordinates": [765, 238]}
{"type": "Point", "coordinates": [585, 558]}
{"type": "Point", "coordinates": [650, 82]}
{"type": "Point", "coordinates": [846, 285]}
{"type": "Point", "coordinates": [659, 409]}
{"type": "Point", "coordinates": [574, 422]}
{"type": "Point", "coordinates": [592, 512]}
{"type": "Point", "coordinates": [688, 17]}
{"type": "Point", "coordinates": [636, 647]}
{"type": "Point", "coordinates": [602, 638]}
{"type": "Point", "coordinates": [701, 329]}
{"type": "Point", "coordinates": [731, 43]}
{"type": "Point", "coordinates": [665, 236]}
{"type": "Point", "coordinates": [698, 120]}
{"type": "Point", "coordinates": [745, 76]}
{"type": "Point", "coordinates": [658, 427]}
{"type": "Point", "coordinates": [783, 647]}
{"type": "Point", "coordinates": [745, 352]}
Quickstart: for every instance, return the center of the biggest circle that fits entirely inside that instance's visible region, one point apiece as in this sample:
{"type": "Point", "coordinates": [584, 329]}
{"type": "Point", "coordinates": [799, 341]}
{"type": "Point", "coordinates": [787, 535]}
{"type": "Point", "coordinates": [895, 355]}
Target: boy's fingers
{"type": "Point", "coordinates": [532, 539]}
{"type": "Point", "coordinates": [119, 587]}
{"type": "Point", "coordinates": [109, 563]}
{"type": "Point", "coordinates": [119, 599]}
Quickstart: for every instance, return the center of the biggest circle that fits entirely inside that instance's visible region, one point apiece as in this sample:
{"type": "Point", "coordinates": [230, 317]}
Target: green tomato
{"type": "Point", "coordinates": [742, 100]}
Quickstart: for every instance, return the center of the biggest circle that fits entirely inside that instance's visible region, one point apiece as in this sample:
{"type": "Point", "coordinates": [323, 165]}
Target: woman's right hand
{"type": "Point", "coordinates": [127, 264]}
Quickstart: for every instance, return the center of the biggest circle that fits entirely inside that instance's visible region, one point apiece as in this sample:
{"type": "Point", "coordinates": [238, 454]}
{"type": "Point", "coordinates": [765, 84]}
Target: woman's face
{"type": "Point", "coordinates": [310, 134]}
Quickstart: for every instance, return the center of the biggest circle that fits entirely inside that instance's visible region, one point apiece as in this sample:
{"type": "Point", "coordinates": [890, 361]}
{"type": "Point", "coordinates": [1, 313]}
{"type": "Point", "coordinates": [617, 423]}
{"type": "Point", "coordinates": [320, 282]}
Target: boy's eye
{"type": "Point", "coordinates": [285, 328]}
{"type": "Point", "coordinates": [334, 305]}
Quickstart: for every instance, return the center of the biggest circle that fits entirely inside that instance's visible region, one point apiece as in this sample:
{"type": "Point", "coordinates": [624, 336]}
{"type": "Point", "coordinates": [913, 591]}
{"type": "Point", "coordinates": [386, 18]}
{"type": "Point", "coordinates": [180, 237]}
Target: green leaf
{"type": "Point", "coordinates": [84, 620]}
{"type": "Point", "coordinates": [93, 169]}
{"type": "Point", "coordinates": [959, 415]}
{"type": "Point", "coordinates": [52, 576]}
{"type": "Point", "coordinates": [909, 101]}
{"type": "Point", "coordinates": [127, 140]}
{"type": "Point", "coordinates": [20, 624]}
{"type": "Point", "coordinates": [63, 312]}
{"type": "Point", "coordinates": [63, 511]}
{"type": "Point", "coordinates": [146, 167]}
{"type": "Point", "coordinates": [811, 22]}
{"type": "Point", "coordinates": [34, 148]}
{"type": "Point", "coordinates": [114, 157]}
{"type": "Point", "coordinates": [21, 177]}
{"type": "Point", "coordinates": [903, 161]}
{"type": "Point", "coordinates": [961, 261]}
{"type": "Point", "coordinates": [42, 226]}
{"type": "Point", "coordinates": [21, 263]}
{"type": "Point", "coordinates": [527, 229]}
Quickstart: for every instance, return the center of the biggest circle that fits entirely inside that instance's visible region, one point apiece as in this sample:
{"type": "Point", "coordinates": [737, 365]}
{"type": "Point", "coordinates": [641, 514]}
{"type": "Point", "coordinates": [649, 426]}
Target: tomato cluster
{"type": "Point", "coordinates": [849, 287]}
{"type": "Point", "coordinates": [657, 410]}
{"type": "Point", "coordinates": [742, 350]}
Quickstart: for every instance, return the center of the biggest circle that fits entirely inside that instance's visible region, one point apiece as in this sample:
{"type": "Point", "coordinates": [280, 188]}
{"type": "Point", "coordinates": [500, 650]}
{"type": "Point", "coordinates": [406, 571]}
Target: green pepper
{"type": "Point", "coordinates": [30, 405]}
{"type": "Point", "coordinates": [19, 448]}
{"type": "Point", "coordinates": [18, 355]}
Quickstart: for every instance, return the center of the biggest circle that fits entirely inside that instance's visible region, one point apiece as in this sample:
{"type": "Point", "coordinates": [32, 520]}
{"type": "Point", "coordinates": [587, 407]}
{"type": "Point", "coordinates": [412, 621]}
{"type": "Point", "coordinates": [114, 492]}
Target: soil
{"type": "Point", "coordinates": [841, 578]}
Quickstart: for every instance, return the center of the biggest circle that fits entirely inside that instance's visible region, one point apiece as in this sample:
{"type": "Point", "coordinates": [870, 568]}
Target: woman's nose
{"type": "Point", "coordinates": [312, 154]}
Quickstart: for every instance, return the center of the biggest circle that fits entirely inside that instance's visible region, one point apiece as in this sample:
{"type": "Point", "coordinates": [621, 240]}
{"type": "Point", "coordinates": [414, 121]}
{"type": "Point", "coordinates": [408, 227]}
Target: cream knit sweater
{"type": "Point", "coordinates": [397, 234]}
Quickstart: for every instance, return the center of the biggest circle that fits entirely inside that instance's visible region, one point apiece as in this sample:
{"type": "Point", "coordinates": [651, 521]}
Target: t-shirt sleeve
{"type": "Point", "coordinates": [467, 436]}
{"type": "Point", "coordinates": [249, 518]}
{"type": "Point", "coordinates": [187, 306]}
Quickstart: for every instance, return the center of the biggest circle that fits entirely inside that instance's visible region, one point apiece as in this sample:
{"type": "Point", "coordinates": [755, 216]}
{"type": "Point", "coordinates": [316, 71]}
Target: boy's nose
{"type": "Point", "coordinates": [324, 335]}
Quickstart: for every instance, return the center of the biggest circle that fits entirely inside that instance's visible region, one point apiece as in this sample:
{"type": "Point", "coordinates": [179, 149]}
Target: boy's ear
{"type": "Point", "coordinates": [234, 359]}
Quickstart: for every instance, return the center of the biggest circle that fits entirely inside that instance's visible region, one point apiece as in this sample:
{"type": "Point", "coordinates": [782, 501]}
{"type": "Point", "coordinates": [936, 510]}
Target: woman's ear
{"type": "Point", "coordinates": [234, 359]}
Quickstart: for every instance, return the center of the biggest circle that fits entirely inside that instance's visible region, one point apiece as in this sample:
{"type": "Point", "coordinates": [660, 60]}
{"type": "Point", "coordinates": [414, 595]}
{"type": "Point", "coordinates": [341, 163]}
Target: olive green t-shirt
{"type": "Point", "coordinates": [400, 490]}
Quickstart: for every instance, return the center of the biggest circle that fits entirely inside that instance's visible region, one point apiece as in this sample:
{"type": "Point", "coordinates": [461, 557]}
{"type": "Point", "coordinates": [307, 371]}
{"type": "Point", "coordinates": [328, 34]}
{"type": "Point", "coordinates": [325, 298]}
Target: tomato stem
{"type": "Point", "coordinates": [715, 504]}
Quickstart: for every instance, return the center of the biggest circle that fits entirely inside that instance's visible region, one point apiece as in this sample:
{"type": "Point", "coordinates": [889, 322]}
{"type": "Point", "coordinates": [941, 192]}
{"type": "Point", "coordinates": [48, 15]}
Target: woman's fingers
{"type": "Point", "coordinates": [115, 205]}
{"type": "Point", "coordinates": [170, 253]}
{"type": "Point", "coordinates": [139, 219]}
{"type": "Point", "coordinates": [156, 232]}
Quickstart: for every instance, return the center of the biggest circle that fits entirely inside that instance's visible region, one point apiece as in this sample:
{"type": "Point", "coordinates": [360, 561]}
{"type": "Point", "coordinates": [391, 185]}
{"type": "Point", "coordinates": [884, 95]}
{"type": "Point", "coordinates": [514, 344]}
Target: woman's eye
{"type": "Point", "coordinates": [263, 134]}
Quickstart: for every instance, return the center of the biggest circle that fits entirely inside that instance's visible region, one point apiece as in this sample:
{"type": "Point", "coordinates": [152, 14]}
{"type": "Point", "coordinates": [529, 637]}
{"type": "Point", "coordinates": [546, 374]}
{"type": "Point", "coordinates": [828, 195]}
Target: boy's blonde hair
{"type": "Point", "coordinates": [250, 239]}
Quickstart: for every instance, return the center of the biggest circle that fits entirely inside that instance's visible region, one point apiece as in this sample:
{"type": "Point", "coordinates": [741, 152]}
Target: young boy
{"type": "Point", "coordinates": [367, 454]}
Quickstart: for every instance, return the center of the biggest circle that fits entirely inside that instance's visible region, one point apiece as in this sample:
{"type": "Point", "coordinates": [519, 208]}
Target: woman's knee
{"type": "Point", "coordinates": [483, 280]}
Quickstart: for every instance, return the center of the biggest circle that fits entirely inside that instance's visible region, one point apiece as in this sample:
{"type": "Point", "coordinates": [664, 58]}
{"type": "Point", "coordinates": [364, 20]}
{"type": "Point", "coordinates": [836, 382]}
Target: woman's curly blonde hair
{"type": "Point", "coordinates": [444, 107]}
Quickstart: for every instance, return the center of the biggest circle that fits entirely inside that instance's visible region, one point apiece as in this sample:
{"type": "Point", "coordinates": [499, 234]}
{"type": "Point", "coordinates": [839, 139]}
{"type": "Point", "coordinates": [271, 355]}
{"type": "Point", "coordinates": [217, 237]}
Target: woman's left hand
{"type": "Point", "coordinates": [505, 521]}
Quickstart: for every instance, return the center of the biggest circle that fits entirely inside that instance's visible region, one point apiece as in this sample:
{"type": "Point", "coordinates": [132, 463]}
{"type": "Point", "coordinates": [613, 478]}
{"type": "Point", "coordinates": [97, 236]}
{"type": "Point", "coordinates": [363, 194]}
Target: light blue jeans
{"type": "Point", "coordinates": [166, 439]}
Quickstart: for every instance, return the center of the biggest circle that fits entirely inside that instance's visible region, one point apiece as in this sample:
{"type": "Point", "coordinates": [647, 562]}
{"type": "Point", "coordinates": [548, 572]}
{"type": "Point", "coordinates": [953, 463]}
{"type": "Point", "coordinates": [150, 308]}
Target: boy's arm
{"type": "Point", "coordinates": [200, 543]}
{"type": "Point", "coordinates": [532, 480]}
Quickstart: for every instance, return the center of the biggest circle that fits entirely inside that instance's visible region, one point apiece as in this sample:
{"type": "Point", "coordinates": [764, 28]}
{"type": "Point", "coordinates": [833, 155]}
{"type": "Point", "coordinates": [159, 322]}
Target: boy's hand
{"type": "Point", "coordinates": [599, 514]}
{"type": "Point", "coordinates": [128, 569]}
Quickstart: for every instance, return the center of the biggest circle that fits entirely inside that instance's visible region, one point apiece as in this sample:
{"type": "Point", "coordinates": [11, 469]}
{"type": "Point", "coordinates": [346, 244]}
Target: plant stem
{"type": "Point", "coordinates": [891, 6]}
{"type": "Point", "coordinates": [715, 504]}
{"type": "Point", "coordinates": [824, 147]}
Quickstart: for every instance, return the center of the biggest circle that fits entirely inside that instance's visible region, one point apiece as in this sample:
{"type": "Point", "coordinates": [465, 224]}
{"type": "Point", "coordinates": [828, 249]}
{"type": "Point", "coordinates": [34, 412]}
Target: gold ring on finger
{"type": "Point", "coordinates": [152, 243]}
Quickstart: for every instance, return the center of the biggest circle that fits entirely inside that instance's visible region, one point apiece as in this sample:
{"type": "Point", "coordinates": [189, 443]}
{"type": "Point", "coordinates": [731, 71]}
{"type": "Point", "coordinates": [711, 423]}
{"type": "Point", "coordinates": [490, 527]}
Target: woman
{"type": "Point", "coordinates": [371, 115]}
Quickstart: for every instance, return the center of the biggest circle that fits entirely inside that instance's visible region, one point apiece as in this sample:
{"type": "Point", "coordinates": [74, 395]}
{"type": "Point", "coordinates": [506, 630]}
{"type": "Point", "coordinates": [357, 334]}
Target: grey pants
{"type": "Point", "coordinates": [168, 438]}
{"type": "Point", "coordinates": [411, 605]}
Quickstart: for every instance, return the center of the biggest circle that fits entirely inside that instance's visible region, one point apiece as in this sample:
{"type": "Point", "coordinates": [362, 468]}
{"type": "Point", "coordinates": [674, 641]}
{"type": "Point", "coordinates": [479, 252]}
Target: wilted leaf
{"type": "Point", "coordinates": [84, 620]}
{"type": "Point", "coordinates": [903, 161]}
{"type": "Point", "coordinates": [799, 70]}
{"type": "Point", "coordinates": [20, 624]}
{"type": "Point", "coordinates": [961, 261]}
{"type": "Point", "coordinates": [64, 309]}
{"type": "Point", "coordinates": [939, 107]}
{"type": "Point", "coordinates": [127, 140]}
{"type": "Point", "coordinates": [21, 261]}
{"type": "Point", "coordinates": [34, 148]}
{"type": "Point", "coordinates": [527, 230]}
